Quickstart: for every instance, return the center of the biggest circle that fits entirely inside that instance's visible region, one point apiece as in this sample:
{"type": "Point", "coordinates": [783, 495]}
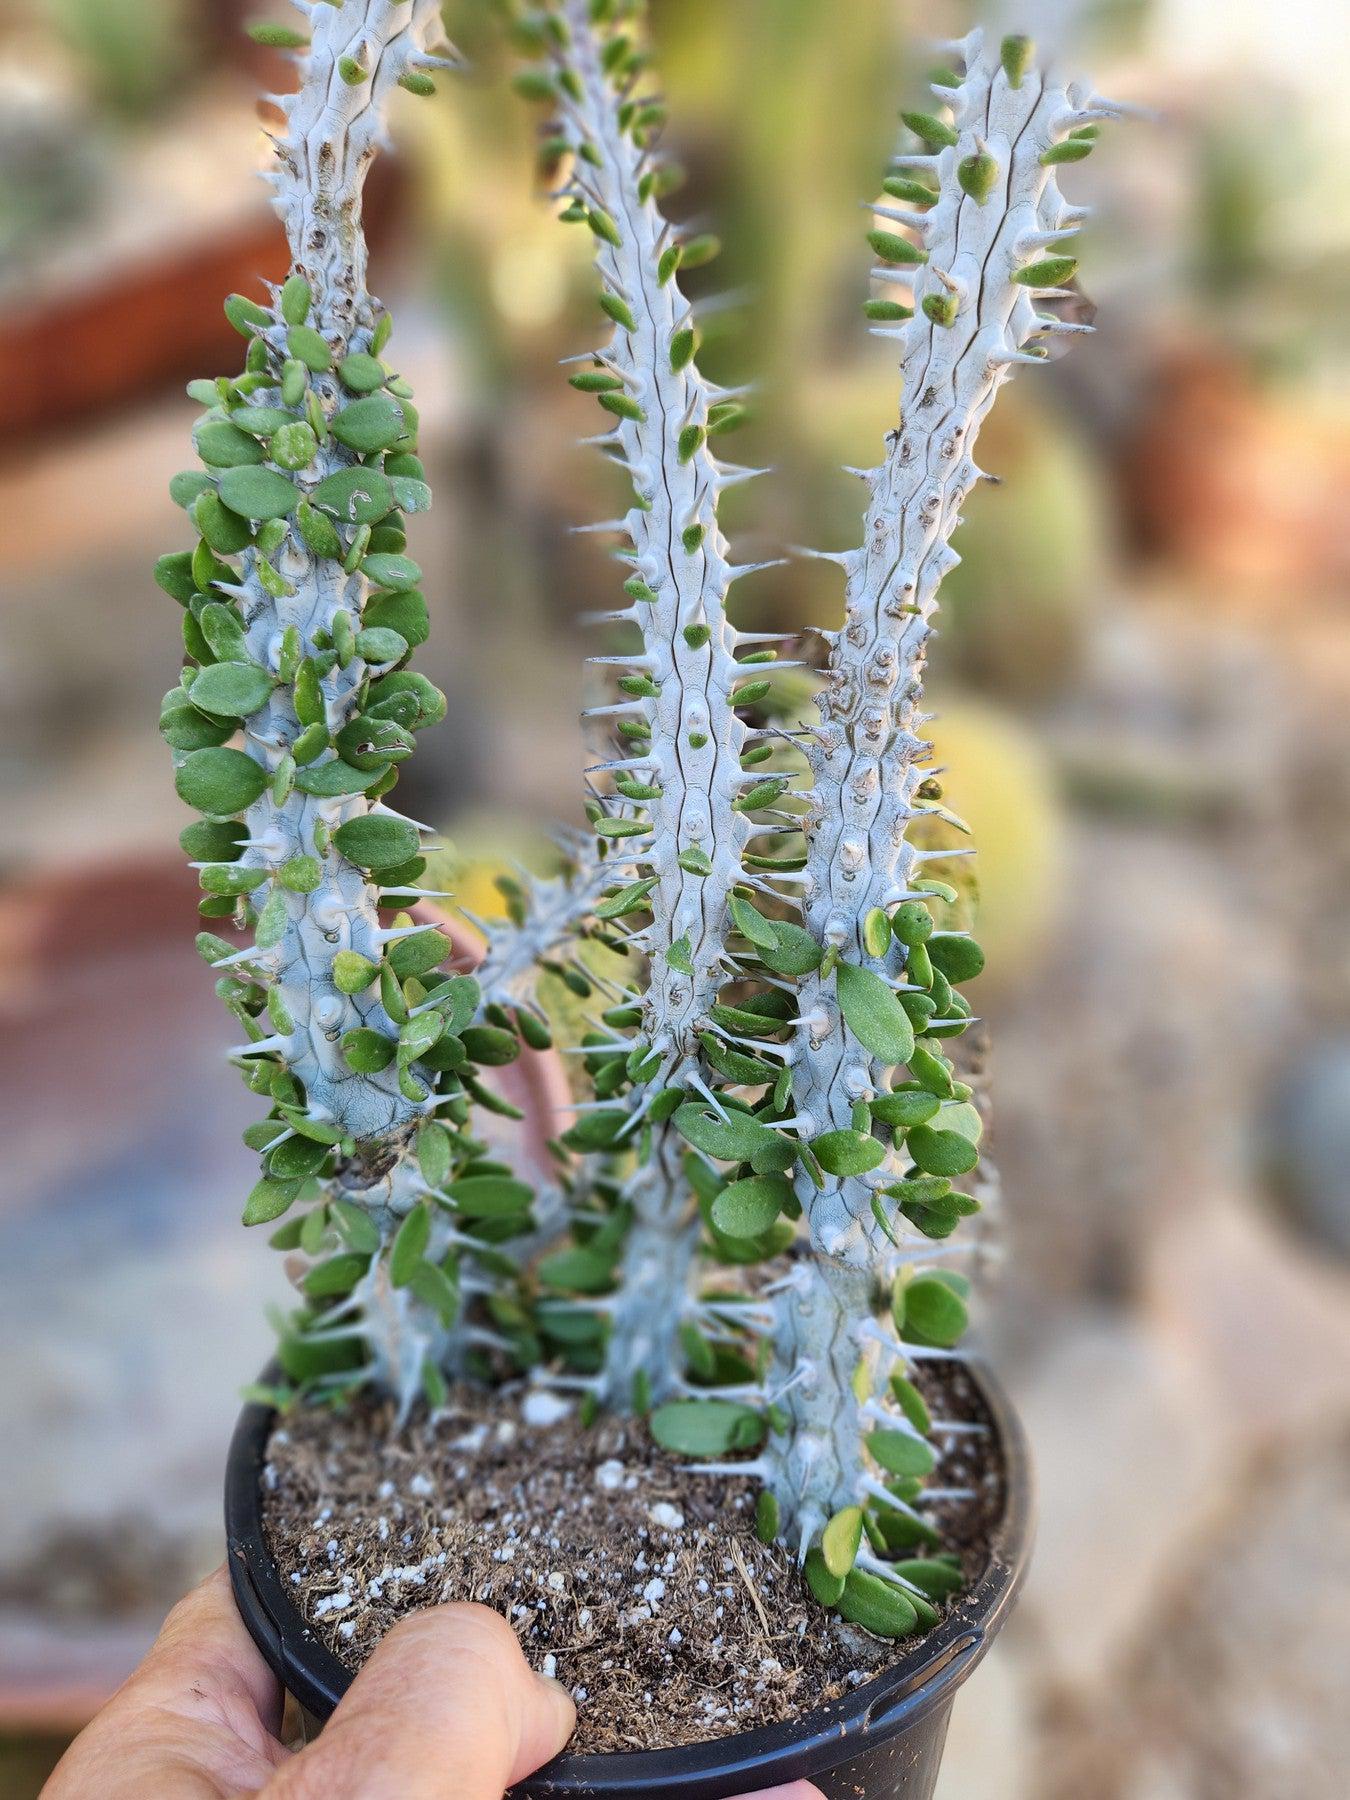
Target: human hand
{"type": "Point", "coordinates": [447, 1706]}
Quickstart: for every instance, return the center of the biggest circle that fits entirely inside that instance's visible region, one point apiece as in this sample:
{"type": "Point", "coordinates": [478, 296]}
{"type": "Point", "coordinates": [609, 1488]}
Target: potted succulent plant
{"type": "Point", "coordinates": [694, 1416]}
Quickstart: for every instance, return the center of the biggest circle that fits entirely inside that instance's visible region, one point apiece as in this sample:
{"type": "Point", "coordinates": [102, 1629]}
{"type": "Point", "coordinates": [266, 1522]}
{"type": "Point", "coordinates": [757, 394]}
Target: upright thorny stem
{"type": "Point", "coordinates": [975, 248]}
{"type": "Point", "coordinates": [300, 612]}
{"type": "Point", "coordinates": [545, 916]}
{"type": "Point", "coordinates": [675, 778]}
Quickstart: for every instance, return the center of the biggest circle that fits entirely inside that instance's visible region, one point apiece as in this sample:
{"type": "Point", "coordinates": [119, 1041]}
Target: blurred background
{"type": "Point", "coordinates": [1144, 687]}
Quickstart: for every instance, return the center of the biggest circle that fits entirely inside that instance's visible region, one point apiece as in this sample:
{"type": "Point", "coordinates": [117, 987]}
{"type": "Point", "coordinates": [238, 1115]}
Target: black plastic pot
{"type": "Point", "coordinates": [883, 1741]}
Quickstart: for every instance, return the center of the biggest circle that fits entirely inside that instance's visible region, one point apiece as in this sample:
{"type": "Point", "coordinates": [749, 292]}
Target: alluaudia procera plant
{"type": "Point", "coordinates": [796, 1046]}
{"type": "Point", "coordinates": [772, 1095]}
{"type": "Point", "coordinates": [300, 611]}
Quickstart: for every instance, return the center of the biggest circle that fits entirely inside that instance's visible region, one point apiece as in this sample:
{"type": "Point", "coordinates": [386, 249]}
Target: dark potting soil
{"type": "Point", "coordinates": [640, 1585]}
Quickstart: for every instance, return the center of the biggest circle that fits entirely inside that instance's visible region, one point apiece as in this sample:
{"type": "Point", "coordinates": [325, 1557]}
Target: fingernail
{"type": "Point", "coordinates": [560, 1692]}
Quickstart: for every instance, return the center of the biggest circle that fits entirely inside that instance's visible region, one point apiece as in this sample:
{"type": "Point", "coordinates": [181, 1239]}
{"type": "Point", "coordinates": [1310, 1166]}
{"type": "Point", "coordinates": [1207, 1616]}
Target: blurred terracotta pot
{"type": "Point", "coordinates": [1239, 484]}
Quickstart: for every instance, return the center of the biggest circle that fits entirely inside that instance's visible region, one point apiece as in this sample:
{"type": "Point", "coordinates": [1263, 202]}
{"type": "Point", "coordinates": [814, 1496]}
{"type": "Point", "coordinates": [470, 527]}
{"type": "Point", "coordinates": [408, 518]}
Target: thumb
{"type": "Point", "coordinates": [796, 1790]}
{"type": "Point", "coordinates": [446, 1705]}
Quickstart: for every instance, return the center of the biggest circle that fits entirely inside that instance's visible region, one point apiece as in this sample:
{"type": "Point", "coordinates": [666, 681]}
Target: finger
{"type": "Point", "coordinates": [797, 1790]}
{"type": "Point", "coordinates": [204, 1634]}
{"type": "Point", "coordinates": [447, 1706]}
{"type": "Point", "coordinates": [195, 1719]}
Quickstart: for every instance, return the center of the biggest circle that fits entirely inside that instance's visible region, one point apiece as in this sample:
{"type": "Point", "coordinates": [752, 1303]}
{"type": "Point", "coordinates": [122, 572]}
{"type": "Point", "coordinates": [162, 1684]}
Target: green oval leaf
{"type": "Point", "coordinates": [941, 1152]}
{"type": "Point", "coordinates": [733, 1139]}
{"type": "Point", "coordinates": [373, 423]}
{"type": "Point", "coordinates": [794, 952]}
{"type": "Point", "coordinates": [936, 1576]}
{"type": "Point", "coordinates": [233, 688]}
{"type": "Point", "coordinates": [185, 487]}
{"type": "Point", "coordinates": [489, 1196]}
{"type": "Point", "coordinates": [224, 446]}
{"type": "Point", "coordinates": [1051, 271]}
{"type": "Point", "coordinates": [183, 728]}
{"type": "Point", "coordinates": [417, 1036]}
{"type": "Point", "coordinates": [751, 923]}
{"type": "Point", "coordinates": [874, 1014]}
{"type": "Point", "coordinates": [706, 1427]}
{"type": "Point", "coordinates": [220, 782]}
{"type": "Point", "coordinates": [411, 494]}
{"type": "Point", "coordinates": [433, 1152]}
{"type": "Point", "coordinates": [353, 973]}
{"type": "Point", "coordinates": [577, 1272]}
{"type": "Point", "coordinates": [378, 644]}
{"type": "Point", "coordinates": [268, 1200]}
{"type": "Point", "coordinates": [877, 1606]}
{"type": "Point", "coordinates": [841, 1539]}
{"type": "Point", "coordinates": [174, 574]}
{"type": "Point", "coordinates": [296, 1158]}
{"type": "Point", "coordinates": [339, 1275]}
{"type": "Point", "coordinates": [224, 632]}
{"type": "Point", "coordinates": [902, 1110]}
{"type": "Point", "coordinates": [901, 1454]}
{"type": "Point", "coordinates": [330, 780]}
{"type": "Point", "coordinates": [935, 1314]}
{"type": "Point", "coordinates": [367, 1051]}
{"type": "Point", "coordinates": [911, 1403]}
{"type": "Point", "coordinates": [361, 373]}
{"type": "Point", "coordinates": [391, 694]}
{"type": "Point", "coordinates": [826, 1587]}
{"type": "Point", "coordinates": [358, 496]}
{"type": "Point", "coordinates": [375, 841]}
{"type": "Point", "coordinates": [958, 958]}
{"type": "Point", "coordinates": [628, 899]}
{"type": "Point", "coordinates": [261, 421]}
{"type": "Point", "coordinates": [434, 1288]}
{"type": "Point", "coordinates": [410, 1245]}
{"type": "Point", "coordinates": [876, 932]}
{"type": "Point", "coordinates": [206, 842]}
{"type": "Point", "coordinates": [748, 1208]}
{"type": "Point", "coordinates": [405, 613]}
{"type": "Point", "coordinates": [596, 1130]}
{"type": "Point", "coordinates": [489, 1045]}
{"type": "Point", "coordinates": [258, 493]}
{"type": "Point", "coordinates": [306, 345]}
{"type": "Point", "coordinates": [963, 1118]}
{"type": "Point", "coordinates": [847, 1152]}
{"type": "Point", "coordinates": [390, 570]}
{"type": "Point", "coordinates": [418, 955]}
{"type": "Point", "coordinates": [356, 1225]}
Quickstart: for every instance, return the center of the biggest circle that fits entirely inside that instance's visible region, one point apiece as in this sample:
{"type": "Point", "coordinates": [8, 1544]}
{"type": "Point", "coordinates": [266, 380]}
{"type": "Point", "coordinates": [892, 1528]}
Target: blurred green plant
{"type": "Point", "coordinates": [1020, 606]}
{"type": "Point", "coordinates": [133, 52]}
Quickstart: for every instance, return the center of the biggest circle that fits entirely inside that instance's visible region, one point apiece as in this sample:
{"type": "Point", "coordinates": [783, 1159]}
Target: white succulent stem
{"type": "Point", "coordinates": [333, 129]}
{"type": "Point", "coordinates": [867, 755]}
{"type": "Point", "coordinates": [556, 908]}
{"type": "Point", "coordinates": [339, 914]}
{"type": "Point", "coordinates": [301, 591]}
{"type": "Point", "coordinates": [699, 781]}
{"type": "Point", "coordinates": [815, 1465]}
{"type": "Point", "coordinates": [399, 1332]}
{"type": "Point", "coordinates": [650, 1302]}
{"type": "Point", "coordinates": [691, 755]}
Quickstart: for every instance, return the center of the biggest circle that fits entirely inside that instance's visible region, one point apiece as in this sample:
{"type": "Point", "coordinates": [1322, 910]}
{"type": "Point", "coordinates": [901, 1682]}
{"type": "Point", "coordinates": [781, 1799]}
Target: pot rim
{"type": "Point", "coordinates": [906, 1692]}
